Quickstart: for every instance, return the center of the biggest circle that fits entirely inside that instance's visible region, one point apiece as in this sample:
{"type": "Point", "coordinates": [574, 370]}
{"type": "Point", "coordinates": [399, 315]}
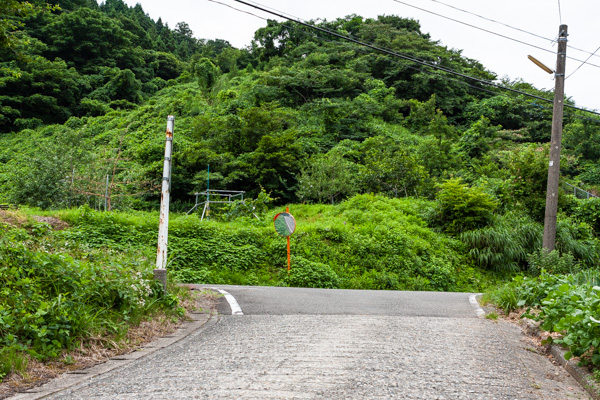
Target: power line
{"type": "Point", "coordinates": [512, 27]}
{"type": "Point", "coordinates": [462, 82]}
{"type": "Point", "coordinates": [583, 63]}
{"type": "Point", "coordinates": [237, 9]}
{"type": "Point", "coordinates": [395, 54]}
{"type": "Point", "coordinates": [273, 9]}
{"type": "Point", "coordinates": [494, 21]}
{"type": "Point", "coordinates": [488, 31]}
{"type": "Point", "coordinates": [559, 13]}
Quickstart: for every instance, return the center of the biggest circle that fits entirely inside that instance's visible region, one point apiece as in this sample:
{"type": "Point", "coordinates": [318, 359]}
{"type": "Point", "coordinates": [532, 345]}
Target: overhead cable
{"type": "Point", "coordinates": [494, 21]}
{"type": "Point", "coordinates": [395, 54]}
{"type": "Point", "coordinates": [237, 9]}
{"type": "Point", "coordinates": [559, 13]}
{"type": "Point", "coordinates": [583, 63]}
{"type": "Point", "coordinates": [462, 82]}
{"type": "Point", "coordinates": [571, 47]}
{"type": "Point", "coordinates": [488, 31]}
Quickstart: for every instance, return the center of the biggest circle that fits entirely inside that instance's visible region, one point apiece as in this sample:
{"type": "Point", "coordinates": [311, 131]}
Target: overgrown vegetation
{"type": "Point", "coordinates": [57, 295]}
{"type": "Point", "coordinates": [399, 178]}
{"type": "Point", "coordinates": [367, 242]}
{"type": "Point", "coordinates": [563, 303]}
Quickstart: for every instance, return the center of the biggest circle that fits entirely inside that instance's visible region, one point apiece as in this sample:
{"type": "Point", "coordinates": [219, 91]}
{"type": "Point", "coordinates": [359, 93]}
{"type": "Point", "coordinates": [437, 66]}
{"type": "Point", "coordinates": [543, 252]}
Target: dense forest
{"type": "Point", "coordinates": [300, 115]}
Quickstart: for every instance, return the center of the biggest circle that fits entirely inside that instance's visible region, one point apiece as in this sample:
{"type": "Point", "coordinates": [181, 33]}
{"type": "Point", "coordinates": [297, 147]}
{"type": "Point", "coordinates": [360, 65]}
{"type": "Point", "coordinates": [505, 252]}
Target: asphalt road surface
{"type": "Point", "coordinates": [340, 344]}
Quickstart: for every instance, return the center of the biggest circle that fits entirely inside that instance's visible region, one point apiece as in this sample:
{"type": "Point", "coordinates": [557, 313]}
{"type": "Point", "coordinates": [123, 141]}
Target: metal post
{"type": "Point", "coordinates": [555, 143]}
{"type": "Point", "coordinates": [289, 259]}
{"type": "Point", "coordinates": [106, 195]}
{"type": "Point", "coordinates": [207, 206]}
{"type": "Point", "coordinates": [160, 273]}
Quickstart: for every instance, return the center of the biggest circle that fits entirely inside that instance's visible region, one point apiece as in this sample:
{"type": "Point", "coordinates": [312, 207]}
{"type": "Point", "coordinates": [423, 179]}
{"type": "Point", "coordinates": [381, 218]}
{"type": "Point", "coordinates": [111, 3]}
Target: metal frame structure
{"type": "Point", "coordinates": [223, 196]}
{"type": "Point", "coordinates": [576, 191]}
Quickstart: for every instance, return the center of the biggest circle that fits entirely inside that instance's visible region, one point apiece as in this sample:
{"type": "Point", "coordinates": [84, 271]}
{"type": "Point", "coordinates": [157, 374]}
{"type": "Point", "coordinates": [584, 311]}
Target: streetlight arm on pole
{"type": "Point", "coordinates": [540, 64]}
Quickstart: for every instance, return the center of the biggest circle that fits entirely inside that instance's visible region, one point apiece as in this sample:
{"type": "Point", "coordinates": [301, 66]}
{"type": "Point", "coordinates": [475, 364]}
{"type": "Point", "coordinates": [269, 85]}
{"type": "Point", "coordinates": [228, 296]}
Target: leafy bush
{"type": "Point", "coordinates": [528, 173]}
{"type": "Point", "coordinates": [552, 262]}
{"type": "Point", "coordinates": [51, 301]}
{"type": "Point", "coordinates": [567, 304]}
{"type": "Point", "coordinates": [506, 298]}
{"type": "Point", "coordinates": [369, 241]}
{"type": "Point", "coordinates": [311, 274]}
{"type": "Point", "coordinates": [577, 239]}
{"type": "Point", "coordinates": [588, 210]}
{"type": "Point", "coordinates": [48, 301]}
{"type": "Point", "coordinates": [573, 311]}
{"type": "Point", "coordinates": [461, 208]}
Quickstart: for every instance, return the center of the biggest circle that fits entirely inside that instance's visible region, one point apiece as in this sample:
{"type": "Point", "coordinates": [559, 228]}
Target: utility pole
{"type": "Point", "coordinates": [555, 143]}
{"type": "Point", "coordinates": [160, 273]}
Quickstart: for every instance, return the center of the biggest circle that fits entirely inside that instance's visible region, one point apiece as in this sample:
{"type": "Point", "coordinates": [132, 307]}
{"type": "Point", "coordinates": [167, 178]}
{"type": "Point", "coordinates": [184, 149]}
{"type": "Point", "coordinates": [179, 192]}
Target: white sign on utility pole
{"type": "Point", "coordinates": [160, 273]}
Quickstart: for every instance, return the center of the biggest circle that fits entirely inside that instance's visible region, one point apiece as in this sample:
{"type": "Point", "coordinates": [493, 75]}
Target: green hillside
{"type": "Point", "coordinates": [304, 117]}
{"type": "Point", "coordinates": [400, 176]}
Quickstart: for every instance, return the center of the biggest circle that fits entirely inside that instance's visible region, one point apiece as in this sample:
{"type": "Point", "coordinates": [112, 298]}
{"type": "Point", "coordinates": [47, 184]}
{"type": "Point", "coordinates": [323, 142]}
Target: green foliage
{"type": "Point", "coordinates": [43, 90]}
{"type": "Point", "coordinates": [40, 177]}
{"type": "Point", "coordinates": [552, 262]}
{"type": "Point", "coordinates": [390, 169]}
{"type": "Point", "coordinates": [461, 208]}
{"type": "Point", "coordinates": [206, 72]}
{"type": "Point", "coordinates": [474, 143]}
{"type": "Point", "coordinates": [567, 304]}
{"type": "Point", "coordinates": [588, 211]}
{"type": "Point", "coordinates": [506, 298]}
{"type": "Point", "coordinates": [292, 116]}
{"type": "Point", "coordinates": [311, 274]}
{"type": "Point", "coordinates": [250, 208]}
{"type": "Point", "coordinates": [328, 177]}
{"type": "Point", "coordinates": [122, 86]}
{"type": "Point", "coordinates": [368, 241]}
{"type": "Point", "coordinates": [51, 301]}
{"type": "Point", "coordinates": [527, 169]}
{"type": "Point", "coordinates": [578, 240]}
{"type": "Point", "coordinates": [504, 244]}
{"type": "Point", "coordinates": [530, 120]}
{"type": "Point", "coordinates": [590, 173]}
{"type": "Point", "coordinates": [583, 139]}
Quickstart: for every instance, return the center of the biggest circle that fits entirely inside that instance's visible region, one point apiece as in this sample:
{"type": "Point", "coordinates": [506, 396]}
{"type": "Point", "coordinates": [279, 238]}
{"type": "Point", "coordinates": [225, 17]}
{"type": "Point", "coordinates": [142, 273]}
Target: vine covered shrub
{"type": "Point", "coordinates": [567, 304]}
{"type": "Point", "coordinates": [588, 210]}
{"type": "Point", "coordinates": [368, 241]}
{"type": "Point", "coordinates": [306, 273]}
{"type": "Point", "coordinates": [577, 239]}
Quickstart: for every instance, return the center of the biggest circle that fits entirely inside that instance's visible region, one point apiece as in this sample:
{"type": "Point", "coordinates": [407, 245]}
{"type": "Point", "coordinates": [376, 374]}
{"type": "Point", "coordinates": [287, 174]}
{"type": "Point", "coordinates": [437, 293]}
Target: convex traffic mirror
{"type": "Point", "coordinates": [285, 224]}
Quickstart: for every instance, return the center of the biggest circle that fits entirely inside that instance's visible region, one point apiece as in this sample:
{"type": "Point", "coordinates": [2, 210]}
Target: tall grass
{"type": "Point", "coordinates": [503, 245]}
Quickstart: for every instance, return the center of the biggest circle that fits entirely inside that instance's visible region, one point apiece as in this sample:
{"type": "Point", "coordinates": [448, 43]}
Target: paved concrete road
{"type": "Point", "coordinates": [325, 344]}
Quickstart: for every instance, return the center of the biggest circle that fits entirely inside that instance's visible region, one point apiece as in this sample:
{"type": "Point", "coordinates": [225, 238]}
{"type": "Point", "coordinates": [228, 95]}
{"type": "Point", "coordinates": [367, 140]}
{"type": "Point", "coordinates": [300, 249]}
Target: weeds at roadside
{"type": "Point", "coordinates": [492, 315]}
{"type": "Point", "coordinates": [97, 349]}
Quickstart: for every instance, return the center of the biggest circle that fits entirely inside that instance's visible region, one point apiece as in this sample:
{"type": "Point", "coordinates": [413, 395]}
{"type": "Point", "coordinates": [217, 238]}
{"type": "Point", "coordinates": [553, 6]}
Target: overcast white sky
{"type": "Point", "coordinates": [209, 20]}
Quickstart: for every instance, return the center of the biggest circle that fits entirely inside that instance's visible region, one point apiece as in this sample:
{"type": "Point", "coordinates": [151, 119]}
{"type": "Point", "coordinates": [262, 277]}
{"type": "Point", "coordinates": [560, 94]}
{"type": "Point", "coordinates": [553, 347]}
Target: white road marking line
{"type": "Point", "coordinates": [478, 310]}
{"type": "Point", "coordinates": [233, 304]}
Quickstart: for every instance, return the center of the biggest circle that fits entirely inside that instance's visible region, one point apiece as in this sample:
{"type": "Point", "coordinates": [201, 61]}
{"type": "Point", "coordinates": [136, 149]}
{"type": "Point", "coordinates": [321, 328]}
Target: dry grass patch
{"type": "Point", "coordinates": [13, 218]}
